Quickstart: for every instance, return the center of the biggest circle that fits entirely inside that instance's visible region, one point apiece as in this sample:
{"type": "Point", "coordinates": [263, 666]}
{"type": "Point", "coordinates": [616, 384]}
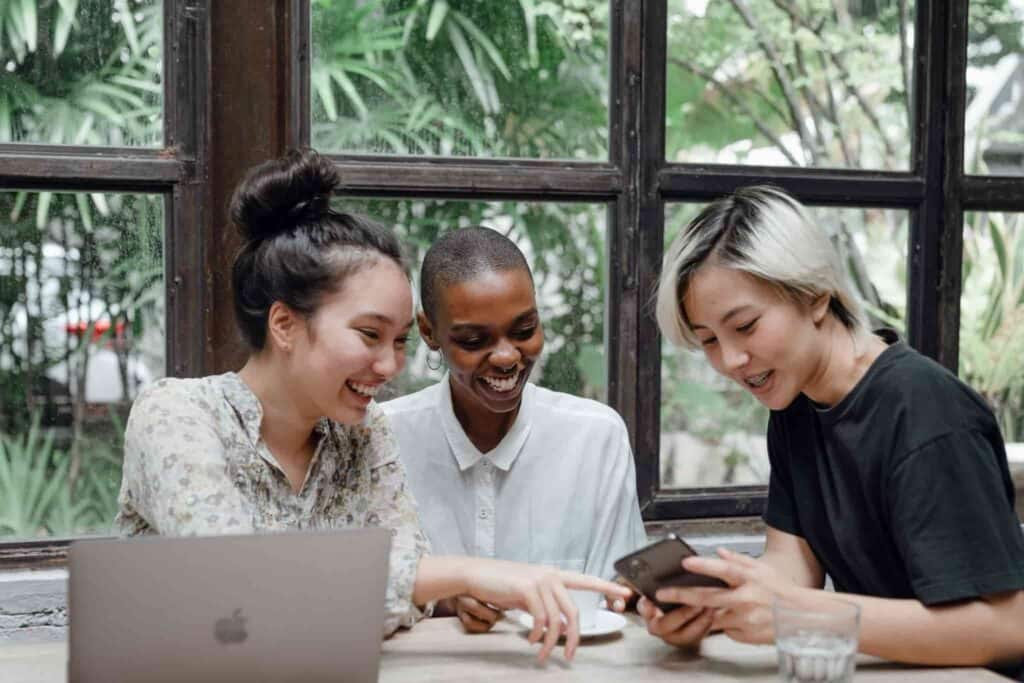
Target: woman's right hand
{"type": "Point", "coordinates": [540, 591]}
{"type": "Point", "coordinates": [476, 617]}
{"type": "Point", "coordinates": [683, 627]}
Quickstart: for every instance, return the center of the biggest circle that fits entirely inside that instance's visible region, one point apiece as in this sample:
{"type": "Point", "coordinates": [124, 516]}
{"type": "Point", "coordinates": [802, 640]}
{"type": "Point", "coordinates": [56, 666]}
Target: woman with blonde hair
{"type": "Point", "coordinates": [889, 474]}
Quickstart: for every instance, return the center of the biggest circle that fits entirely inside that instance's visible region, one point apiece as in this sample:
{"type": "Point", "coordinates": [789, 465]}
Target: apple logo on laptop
{"type": "Point", "coordinates": [231, 629]}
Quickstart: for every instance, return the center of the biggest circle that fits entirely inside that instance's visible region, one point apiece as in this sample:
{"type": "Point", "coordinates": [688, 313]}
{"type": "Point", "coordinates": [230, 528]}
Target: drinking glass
{"type": "Point", "coordinates": [816, 642]}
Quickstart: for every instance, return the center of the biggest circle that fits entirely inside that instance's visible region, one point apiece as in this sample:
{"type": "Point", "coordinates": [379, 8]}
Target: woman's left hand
{"type": "Point", "coordinates": [744, 609]}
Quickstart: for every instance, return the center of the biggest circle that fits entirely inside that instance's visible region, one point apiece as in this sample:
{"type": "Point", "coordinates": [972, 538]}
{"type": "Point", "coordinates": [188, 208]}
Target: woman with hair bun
{"type": "Point", "coordinates": [889, 474]}
{"type": "Point", "coordinates": [294, 439]}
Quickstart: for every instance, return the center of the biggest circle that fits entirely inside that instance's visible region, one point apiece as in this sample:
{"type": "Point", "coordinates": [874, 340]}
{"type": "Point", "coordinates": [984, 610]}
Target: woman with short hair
{"type": "Point", "coordinates": [294, 439]}
{"type": "Point", "coordinates": [888, 474]}
{"type": "Point", "coordinates": [500, 466]}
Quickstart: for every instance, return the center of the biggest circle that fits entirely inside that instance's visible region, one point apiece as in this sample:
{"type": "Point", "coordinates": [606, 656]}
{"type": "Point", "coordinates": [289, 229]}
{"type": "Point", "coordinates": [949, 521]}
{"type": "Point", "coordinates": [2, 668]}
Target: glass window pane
{"type": "Point", "coordinates": [81, 332]}
{"type": "Point", "coordinates": [461, 78]}
{"type": "Point", "coordinates": [82, 73]}
{"type": "Point", "coordinates": [994, 120]}
{"type": "Point", "coordinates": [565, 246]}
{"type": "Point", "coordinates": [992, 325]}
{"type": "Point", "coordinates": [824, 84]}
{"type": "Point", "coordinates": [713, 430]}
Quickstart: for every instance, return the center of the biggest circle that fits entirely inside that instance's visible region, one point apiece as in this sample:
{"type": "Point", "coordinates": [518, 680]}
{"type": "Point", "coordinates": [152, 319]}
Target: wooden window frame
{"type": "Point", "coordinates": [259, 67]}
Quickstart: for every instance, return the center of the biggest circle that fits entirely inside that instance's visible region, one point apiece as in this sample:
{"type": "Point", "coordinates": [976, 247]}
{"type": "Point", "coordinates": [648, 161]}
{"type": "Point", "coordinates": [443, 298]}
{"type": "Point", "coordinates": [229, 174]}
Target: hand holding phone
{"type": "Point", "coordinates": [659, 565]}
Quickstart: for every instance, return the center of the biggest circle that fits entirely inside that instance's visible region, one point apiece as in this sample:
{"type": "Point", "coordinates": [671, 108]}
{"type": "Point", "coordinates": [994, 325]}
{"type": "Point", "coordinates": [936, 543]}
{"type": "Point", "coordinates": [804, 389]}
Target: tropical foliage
{"type": "Point", "coordinates": [828, 84]}
{"type": "Point", "coordinates": [780, 82]}
{"type": "Point", "coordinates": [80, 273]}
{"type": "Point", "coordinates": [39, 497]}
{"type": "Point", "coordinates": [520, 79]}
{"type": "Point", "coordinates": [992, 312]}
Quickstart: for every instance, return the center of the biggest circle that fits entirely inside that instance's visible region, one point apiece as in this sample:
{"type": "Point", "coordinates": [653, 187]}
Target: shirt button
{"type": "Point", "coordinates": [484, 514]}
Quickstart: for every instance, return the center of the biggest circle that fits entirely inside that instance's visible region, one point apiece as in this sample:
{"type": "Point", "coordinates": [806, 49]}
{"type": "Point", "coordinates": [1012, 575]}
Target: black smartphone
{"type": "Point", "coordinates": [659, 565]}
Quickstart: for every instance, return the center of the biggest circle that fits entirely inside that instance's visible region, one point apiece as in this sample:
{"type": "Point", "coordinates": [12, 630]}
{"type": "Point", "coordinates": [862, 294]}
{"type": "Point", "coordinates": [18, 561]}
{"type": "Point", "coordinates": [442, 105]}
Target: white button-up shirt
{"type": "Point", "coordinates": [560, 488]}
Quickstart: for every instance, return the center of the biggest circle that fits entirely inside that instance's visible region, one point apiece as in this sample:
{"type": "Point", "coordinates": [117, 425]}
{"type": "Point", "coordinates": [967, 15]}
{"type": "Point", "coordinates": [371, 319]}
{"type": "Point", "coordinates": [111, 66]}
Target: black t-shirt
{"type": "Point", "coordinates": [902, 489]}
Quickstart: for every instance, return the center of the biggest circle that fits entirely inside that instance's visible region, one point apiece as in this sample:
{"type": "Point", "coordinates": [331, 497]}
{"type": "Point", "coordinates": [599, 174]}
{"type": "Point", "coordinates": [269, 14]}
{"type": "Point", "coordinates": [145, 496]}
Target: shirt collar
{"type": "Point", "coordinates": [249, 410]}
{"type": "Point", "coordinates": [245, 403]}
{"type": "Point", "coordinates": [466, 454]}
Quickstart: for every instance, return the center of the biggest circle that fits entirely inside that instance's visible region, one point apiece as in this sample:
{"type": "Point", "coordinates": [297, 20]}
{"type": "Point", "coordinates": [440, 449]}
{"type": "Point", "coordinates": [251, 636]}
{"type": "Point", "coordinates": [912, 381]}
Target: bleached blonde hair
{"type": "Point", "coordinates": [762, 231]}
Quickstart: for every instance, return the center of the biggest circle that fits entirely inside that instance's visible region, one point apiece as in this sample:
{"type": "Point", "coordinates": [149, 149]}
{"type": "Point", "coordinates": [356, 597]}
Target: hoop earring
{"type": "Point", "coordinates": [440, 360]}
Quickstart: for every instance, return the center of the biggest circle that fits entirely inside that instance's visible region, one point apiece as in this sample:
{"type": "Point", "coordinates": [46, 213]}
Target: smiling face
{"type": "Point", "coordinates": [766, 343]}
{"type": "Point", "coordinates": [353, 344]}
{"type": "Point", "coordinates": [490, 334]}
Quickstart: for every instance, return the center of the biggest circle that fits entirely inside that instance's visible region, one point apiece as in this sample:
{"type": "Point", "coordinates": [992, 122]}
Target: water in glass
{"type": "Point", "coordinates": [816, 658]}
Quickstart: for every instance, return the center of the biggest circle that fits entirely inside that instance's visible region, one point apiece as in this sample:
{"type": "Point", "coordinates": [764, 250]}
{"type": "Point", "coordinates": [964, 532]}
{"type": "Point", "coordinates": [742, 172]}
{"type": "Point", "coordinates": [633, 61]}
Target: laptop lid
{"type": "Point", "coordinates": [271, 607]}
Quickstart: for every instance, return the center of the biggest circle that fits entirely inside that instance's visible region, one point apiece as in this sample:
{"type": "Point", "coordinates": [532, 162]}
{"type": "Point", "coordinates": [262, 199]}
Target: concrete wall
{"type": "Point", "coordinates": [33, 605]}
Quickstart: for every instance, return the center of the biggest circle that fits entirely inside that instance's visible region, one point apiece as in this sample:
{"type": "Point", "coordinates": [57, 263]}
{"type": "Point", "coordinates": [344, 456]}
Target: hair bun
{"type": "Point", "coordinates": [282, 194]}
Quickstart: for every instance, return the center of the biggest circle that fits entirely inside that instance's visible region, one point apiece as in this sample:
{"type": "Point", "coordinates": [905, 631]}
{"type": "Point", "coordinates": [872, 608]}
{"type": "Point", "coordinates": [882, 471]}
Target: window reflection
{"type": "Point", "coordinates": [790, 83]}
{"type": "Point", "coordinates": [81, 332]}
{"type": "Point", "coordinates": [994, 120]}
{"type": "Point", "coordinates": [565, 246]}
{"type": "Point", "coordinates": [992, 325]}
{"type": "Point", "coordinates": [712, 430]}
{"type": "Point", "coordinates": [458, 78]}
{"type": "Point", "coordinates": [82, 73]}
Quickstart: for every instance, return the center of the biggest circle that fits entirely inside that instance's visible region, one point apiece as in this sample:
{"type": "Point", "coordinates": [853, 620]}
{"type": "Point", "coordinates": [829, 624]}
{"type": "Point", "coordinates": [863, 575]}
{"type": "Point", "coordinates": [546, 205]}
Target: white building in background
{"type": "Point", "coordinates": [66, 317]}
{"type": "Point", "coordinates": [994, 121]}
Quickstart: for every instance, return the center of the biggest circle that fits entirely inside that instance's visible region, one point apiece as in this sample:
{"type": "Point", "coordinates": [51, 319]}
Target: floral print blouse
{"type": "Point", "coordinates": [194, 464]}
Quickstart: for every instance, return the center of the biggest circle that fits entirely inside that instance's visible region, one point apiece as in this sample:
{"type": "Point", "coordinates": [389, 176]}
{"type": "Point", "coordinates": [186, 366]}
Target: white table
{"type": "Point", "coordinates": [438, 650]}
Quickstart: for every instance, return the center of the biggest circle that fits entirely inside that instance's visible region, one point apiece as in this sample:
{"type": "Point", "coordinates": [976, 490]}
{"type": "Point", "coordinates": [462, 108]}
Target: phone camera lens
{"type": "Point", "coordinates": [637, 567]}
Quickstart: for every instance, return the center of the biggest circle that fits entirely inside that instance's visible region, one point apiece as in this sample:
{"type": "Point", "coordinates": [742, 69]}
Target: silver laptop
{"type": "Point", "coordinates": [273, 607]}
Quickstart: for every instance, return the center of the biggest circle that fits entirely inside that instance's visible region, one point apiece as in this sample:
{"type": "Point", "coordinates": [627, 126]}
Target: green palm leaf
{"type": "Point", "coordinates": [65, 20]}
{"type": "Point", "coordinates": [438, 11]}
{"type": "Point", "coordinates": [481, 39]}
{"type": "Point", "coordinates": [470, 66]}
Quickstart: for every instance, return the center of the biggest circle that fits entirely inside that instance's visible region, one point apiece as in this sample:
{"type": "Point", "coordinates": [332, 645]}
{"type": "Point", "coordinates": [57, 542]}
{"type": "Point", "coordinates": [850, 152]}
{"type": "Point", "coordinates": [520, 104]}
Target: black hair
{"type": "Point", "coordinates": [462, 255]}
{"type": "Point", "coordinates": [297, 248]}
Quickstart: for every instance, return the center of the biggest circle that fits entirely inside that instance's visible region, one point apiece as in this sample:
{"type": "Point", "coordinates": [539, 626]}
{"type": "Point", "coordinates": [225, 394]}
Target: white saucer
{"type": "Point", "coordinates": [606, 622]}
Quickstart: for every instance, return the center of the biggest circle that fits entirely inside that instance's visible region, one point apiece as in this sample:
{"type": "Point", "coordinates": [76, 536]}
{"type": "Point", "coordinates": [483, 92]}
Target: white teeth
{"type": "Point", "coordinates": [503, 384]}
{"type": "Point", "coordinates": [369, 390]}
{"type": "Point", "coordinates": [758, 380]}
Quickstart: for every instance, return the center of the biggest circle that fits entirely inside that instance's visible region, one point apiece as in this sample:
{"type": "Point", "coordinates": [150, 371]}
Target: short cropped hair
{"type": "Point", "coordinates": [761, 231]}
{"type": "Point", "coordinates": [462, 255]}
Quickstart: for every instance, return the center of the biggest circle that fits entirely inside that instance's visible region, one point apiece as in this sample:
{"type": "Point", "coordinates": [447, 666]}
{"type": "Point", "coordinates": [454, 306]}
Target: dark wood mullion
{"type": "Point", "coordinates": [992, 193]}
{"type": "Point", "coordinates": [297, 78]}
{"type": "Point", "coordinates": [399, 161]}
{"type": "Point", "coordinates": [814, 186]}
{"type": "Point", "coordinates": [187, 87]}
{"type": "Point", "coordinates": [66, 170]}
{"type": "Point", "coordinates": [623, 140]}
{"type": "Point", "coordinates": [650, 228]}
{"type": "Point", "coordinates": [735, 501]}
{"type": "Point", "coordinates": [951, 239]}
{"type": "Point", "coordinates": [37, 554]}
{"type": "Point", "coordinates": [33, 149]}
{"type": "Point", "coordinates": [928, 226]}
{"type": "Point", "coordinates": [483, 179]}
{"type": "Point", "coordinates": [251, 96]}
